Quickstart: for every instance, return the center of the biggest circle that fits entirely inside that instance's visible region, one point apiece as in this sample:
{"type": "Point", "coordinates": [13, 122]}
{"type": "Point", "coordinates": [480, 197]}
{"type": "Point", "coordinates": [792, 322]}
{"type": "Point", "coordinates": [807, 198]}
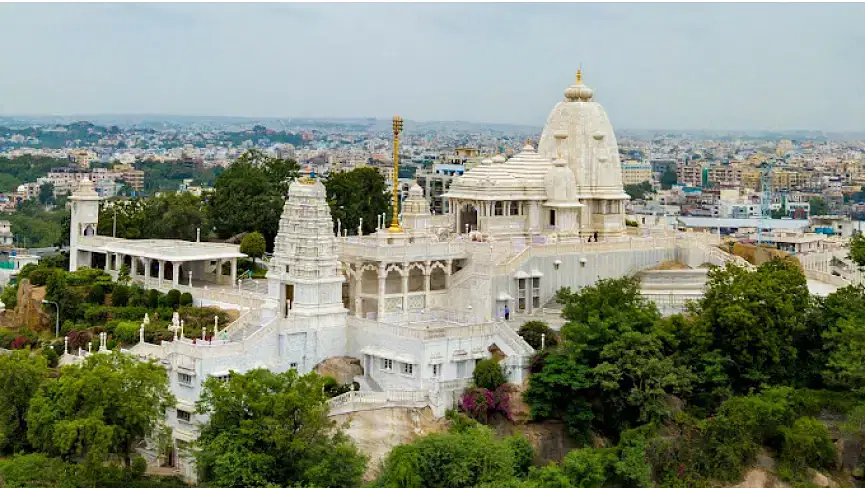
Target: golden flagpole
{"type": "Point", "coordinates": [397, 128]}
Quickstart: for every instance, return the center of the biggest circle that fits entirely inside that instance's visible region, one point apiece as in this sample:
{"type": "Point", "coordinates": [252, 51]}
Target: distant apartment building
{"type": "Point", "coordinates": [26, 191]}
{"type": "Point", "coordinates": [636, 172]}
{"type": "Point", "coordinates": [723, 176]}
{"type": "Point", "coordinates": [83, 158]}
{"type": "Point", "coordinates": [784, 180]}
{"type": "Point", "coordinates": [435, 181]}
{"type": "Point", "coordinates": [689, 174]}
{"type": "Point", "coordinates": [133, 177]}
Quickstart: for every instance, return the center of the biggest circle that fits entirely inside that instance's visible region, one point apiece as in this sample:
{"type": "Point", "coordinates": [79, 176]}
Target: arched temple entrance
{"type": "Point", "coordinates": [468, 217]}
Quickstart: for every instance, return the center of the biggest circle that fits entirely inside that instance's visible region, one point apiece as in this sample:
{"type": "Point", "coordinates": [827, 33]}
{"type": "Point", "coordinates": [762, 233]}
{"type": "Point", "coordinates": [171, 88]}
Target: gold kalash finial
{"type": "Point", "coordinates": [579, 76]}
{"type": "Point", "coordinates": [397, 128]}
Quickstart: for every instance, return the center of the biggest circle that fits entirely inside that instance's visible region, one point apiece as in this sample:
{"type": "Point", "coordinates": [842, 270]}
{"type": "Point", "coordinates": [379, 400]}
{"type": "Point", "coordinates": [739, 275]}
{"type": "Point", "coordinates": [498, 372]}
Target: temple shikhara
{"type": "Point", "coordinates": [421, 300]}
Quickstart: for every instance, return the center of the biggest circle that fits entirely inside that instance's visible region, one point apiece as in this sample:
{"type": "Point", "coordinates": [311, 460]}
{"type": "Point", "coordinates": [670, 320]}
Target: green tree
{"type": "Point", "coordinates": [639, 191]}
{"type": "Point", "coordinates": [597, 315]}
{"type": "Point", "coordinates": [21, 374]}
{"type": "Point", "coordinates": [120, 296]}
{"type": "Point", "coordinates": [558, 390]}
{"type": "Point", "coordinates": [253, 245]}
{"type": "Point", "coordinates": [97, 294]}
{"type": "Point", "coordinates": [358, 194]}
{"type": "Point", "coordinates": [46, 194]}
{"type": "Point", "coordinates": [456, 459]}
{"type": "Point", "coordinates": [250, 194]}
{"type": "Point", "coordinates": [489, 374]}
{"type": "Point", "coordinates": [269, 429]}
{"type": "Point", "coordinates": [668, 179]}
{"type": "Point", "coordinates": [123, 274]}
{"type": "Point", "coordinates": [842, 317]}
{"type": "Point", "coordinates": [103, 407]}
{"type": "Point", "coordinates": [637, 374]}
{"type": "Point", "coordinates": [818, 206]}
{"type": "Point", "coordinates": [588, 468]}
{"type": "Point", "coordinates": [857, 249]}
{"type": "Point", "coordinates": [756, 319]}
{"type": "Point", "coordinates": [532, 331]}
{"type": "Point", "coordinates": [806, 443]}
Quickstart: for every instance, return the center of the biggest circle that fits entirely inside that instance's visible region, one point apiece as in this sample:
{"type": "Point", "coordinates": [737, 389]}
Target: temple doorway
{"type": "Point", "coordinates": [468, 217]}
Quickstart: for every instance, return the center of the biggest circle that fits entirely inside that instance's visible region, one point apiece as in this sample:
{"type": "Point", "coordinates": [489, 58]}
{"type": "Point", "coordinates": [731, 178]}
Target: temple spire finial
{"type": "Point", "coordinates": [579, 76]}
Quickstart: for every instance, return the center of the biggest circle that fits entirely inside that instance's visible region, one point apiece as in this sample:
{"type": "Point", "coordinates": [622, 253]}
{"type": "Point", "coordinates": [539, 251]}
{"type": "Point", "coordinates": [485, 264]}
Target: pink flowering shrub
{"type": "Point", "coordinates": [480, 403]}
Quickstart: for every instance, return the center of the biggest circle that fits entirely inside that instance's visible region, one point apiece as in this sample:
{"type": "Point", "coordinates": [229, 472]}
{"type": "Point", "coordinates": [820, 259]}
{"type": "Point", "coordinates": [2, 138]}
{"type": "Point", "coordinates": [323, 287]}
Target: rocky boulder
{"type": "Point", "coordinates": [343, 369]}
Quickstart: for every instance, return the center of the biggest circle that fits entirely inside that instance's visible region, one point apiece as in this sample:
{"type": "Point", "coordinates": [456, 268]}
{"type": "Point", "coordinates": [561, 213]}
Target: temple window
{"type": "Point", "coordinates": [387, 364]}
{"type": "Point", "coordinates": [407, 369]}
{"type": "Point", "coordinates": [552, 218]}
{"type": "Point", "coordinates": [521, 294]}
{"type": "Point", "coordinates": [515, 208]}
{"type": "Point", "coordinates": [499, 208]}
{"type": "Point", "coordinates": [436, 370]}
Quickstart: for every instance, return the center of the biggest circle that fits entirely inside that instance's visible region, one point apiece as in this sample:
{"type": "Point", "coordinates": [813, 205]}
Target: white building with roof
{"type": "Point", "coordinates": [418, 304]}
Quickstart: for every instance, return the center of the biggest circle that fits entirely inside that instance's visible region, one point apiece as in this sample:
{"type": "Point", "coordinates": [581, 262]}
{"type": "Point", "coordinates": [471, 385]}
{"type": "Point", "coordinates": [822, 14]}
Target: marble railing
{"type": "Point", "coordinates": [425, 331]}
{"type": "Point", "coordinates": [355, 401]}
{"type": "Point", "coordinates": [513, 340]}
{"type": "Point", "coordinates": [829, 278]}
{"type": "Point", "coordinates": [242, 298]}
{"type": "Point", "coordinates": [371, 248]}
{"type": "Point", "coordinates": [565, 247]}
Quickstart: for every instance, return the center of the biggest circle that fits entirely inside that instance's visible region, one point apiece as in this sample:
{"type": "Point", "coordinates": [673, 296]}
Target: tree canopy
{"type": "Point", "coordinates": [99, 409]}
{"type": "Point", "coordinates": [668, 179]}
{"type": "Point", "coordinates": [253, 245]}
{"type": "Point", "coordinates": [271, 429]}
{"type": "Point", "coordinates": [21, 374]}
{"type": "Point", "coordinates": [250, 194]}
{"type": "Point", "coordinates": [358, 194]}
{"type": "Point", "coordinates": [639, 191]}
{"type": "Point", "coordinates": [167, 216]}
{"type": "Point", "coordinates": [818, 206]}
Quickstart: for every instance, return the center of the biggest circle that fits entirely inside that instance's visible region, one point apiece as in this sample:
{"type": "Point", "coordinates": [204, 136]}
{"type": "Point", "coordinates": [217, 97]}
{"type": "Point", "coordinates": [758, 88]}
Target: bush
{"type": "Point", "coordinates": [38, 275]}
{"type": "Point", "coordinates": [97, 294]}
{"type": "Point", "coordinates": [587, 467]}
{"type": "Point", "coordinates": [153, 298]}
{"type": "Point", "coordinates": [9, 296]}
{"type": "Point", "coordinates": [170, 299]}
{"type": "Point", "coordinates": [523, 451]}
{"type": "Point", "coordinates": [532, 330]}
{"type": "Point", "coordinates": [139, 466]}
{"type": "Point", "coordinates": [807, 444]}
{"type": "Point", "coordinates": [120, 296]}
{"type": "Point", "coordinates": [488, 374]}
{"type": "Point", "coordinates": [186, 299]}
{"type": "Point", "coordinates": [480, 403]}
{"type": "Point", "coordinates": [51, 356]}
{"type": "Point", "coordinates": [127, 332]}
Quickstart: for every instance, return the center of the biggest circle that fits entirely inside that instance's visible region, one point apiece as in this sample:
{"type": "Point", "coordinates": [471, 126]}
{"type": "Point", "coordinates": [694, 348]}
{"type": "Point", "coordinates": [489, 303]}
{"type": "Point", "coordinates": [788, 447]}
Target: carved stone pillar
{"type": "Point", "coordinates": [426, 284]}
{"type": "Point", "coordinates": [382, 277]}
{"type": "Point", "coordinates": [405, 287]}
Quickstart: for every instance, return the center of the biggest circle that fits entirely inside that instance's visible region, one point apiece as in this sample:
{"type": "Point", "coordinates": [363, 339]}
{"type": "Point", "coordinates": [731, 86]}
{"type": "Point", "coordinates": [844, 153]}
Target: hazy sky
{"type": "Point", "coordinates": [670, 66]}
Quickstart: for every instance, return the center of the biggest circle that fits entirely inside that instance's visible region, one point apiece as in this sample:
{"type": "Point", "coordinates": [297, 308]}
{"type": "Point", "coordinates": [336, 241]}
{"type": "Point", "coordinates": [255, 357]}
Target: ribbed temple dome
{"type": "Point", "coordinates": [528, 167]}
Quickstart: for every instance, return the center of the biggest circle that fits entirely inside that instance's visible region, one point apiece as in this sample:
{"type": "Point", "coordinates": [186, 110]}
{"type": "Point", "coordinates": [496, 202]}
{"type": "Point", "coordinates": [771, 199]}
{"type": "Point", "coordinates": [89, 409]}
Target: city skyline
{"type": "Point", "coordinates": [678, 67]}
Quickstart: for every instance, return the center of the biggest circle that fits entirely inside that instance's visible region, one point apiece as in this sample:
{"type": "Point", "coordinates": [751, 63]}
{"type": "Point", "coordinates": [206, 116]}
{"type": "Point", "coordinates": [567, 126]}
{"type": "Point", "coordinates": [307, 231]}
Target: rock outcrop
{"type": "Point", "coordinates": [343, 369]}
{"type": "Point", "coordinates": [29, 312]}
{"type": "Point", "coordinates": [376, 432]}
